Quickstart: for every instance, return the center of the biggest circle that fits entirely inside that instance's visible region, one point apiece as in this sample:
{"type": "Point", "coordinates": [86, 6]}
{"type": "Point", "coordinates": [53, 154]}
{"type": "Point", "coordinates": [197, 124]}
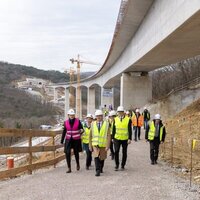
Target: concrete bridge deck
{"type": "Point", "coordinates": [140, 180]}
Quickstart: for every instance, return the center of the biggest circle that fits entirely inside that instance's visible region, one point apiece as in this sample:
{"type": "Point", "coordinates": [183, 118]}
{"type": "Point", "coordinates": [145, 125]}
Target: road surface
{"type": "Point", "coordinates": [140, 180]}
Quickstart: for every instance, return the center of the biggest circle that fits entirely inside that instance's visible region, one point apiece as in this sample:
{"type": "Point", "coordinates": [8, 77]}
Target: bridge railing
{"type": "Point", "coordinates": [30, 149]}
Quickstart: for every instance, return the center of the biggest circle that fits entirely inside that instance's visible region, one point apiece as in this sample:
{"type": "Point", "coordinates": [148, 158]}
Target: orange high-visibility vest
{"type": "Point", "coordinates": [138, 122]}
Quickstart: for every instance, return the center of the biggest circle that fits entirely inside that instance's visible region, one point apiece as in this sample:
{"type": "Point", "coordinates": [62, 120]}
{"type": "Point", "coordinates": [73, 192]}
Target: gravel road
{"type": "Point", "coordinates": [140, 180]}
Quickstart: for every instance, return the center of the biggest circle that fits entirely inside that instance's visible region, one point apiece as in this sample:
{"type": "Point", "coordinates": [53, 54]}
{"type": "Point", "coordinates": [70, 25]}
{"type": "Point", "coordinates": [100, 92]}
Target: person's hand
{"type": "Point", "coordinates": [129, 141]}
{"type": "Point", "coordinates": [90, 148]}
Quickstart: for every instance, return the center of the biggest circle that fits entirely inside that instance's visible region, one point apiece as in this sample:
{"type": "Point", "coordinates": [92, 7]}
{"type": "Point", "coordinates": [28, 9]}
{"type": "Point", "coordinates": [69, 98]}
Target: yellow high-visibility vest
{"type": "Point", "coordinates": [121, 128]}
{"type": "Point", "coordinates": [99, 138]}
{"type": "Point", "coordinates": [85, 135]}
{"type": "Point", "coordinates": [152, 131]}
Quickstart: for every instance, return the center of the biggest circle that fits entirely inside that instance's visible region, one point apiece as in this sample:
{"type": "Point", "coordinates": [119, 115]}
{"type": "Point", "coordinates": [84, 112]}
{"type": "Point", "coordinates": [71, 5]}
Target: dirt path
{"type": "Point", "coordinates": [140, 180]}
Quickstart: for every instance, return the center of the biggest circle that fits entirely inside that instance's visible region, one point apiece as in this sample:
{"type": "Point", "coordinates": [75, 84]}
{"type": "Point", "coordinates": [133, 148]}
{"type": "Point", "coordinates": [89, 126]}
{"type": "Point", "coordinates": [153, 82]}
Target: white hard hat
{"type": "Point", "coordinates": [89, 116]}
{"type": "Point", "coordinates": [137, 110]}
{"type": "Point", "coordinates": [145, 108]}
{"type": "Point", "coordinates": [157, 116]}
{"type": "Point", "coordinates": [98, 112]}
{"type": "Point", "coordinates": [120, 109]}
{"type": "Point", "coordinates": [112, 113]}
{"type": "Point", "coordinates": [71, 112]}
{"type": "Point", "coordinates": [127, 112]}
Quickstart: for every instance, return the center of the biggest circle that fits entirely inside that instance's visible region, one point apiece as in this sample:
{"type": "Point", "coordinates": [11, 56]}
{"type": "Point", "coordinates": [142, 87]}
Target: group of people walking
{"type": "Point", "coordinates": [97, 136]}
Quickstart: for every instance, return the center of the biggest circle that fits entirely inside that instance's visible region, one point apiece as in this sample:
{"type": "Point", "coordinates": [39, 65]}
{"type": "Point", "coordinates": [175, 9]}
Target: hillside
{"type": "Point", "coordinates": [19, 108]}
{"type": "Point", "coordinates": [182, 129]}
{"type": "Point", "coordinates": [12, 72]}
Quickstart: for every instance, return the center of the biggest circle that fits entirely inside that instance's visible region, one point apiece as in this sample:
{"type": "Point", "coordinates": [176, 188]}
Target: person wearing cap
{"type": "Point", "coordinates": [122, 136]}
{"type": "Point", "coordinates": [71, 137]}
{"type": "Point", "coordinates": [137, 122]}
{"type": "Point", "coordinates": [85, 140]}
{"type": "Point", "coordinates": [99, 141]}
{"type": "Point", "coordinates": [112, 115]}
{"type": "Point", "coordinates": [146, 117]}
{"type": "Point", "coordinates": [155, 134]}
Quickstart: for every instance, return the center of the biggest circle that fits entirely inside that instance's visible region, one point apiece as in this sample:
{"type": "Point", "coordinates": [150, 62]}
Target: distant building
{"type": "Point", "coordinates": [32, 83]}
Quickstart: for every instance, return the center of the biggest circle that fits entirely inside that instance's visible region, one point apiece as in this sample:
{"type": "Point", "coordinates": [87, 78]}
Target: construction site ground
{"type": "Point", "coordinates": [140, 180]}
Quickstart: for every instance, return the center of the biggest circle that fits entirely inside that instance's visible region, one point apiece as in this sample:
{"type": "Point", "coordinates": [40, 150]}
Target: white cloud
{"type": "Point", "coordinates": [45, 34]}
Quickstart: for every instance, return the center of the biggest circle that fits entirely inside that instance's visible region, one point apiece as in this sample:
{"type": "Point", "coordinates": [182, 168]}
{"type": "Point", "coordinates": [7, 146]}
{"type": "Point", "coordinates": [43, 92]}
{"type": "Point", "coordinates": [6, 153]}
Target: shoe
{"type": "Point", "coordinates": [152, 162]}
{"type": "Point", "coordinates": [156, 162]}
{"type": "Point", "coordinates": [87, 168]}
{"type": "Point", "coordinates": [116, 168]}
{"type": "Point", "coordinates": [101, 171]}
{"type": "Point", "coordinates": [78, 167]}
{"type": "Point", "coordinates": [122, 168]}
{"type": "Point", "coordinates": [97, 173]}
{"type": "Point", "coordinates": [135, 140]}
{"type": "Point", "coordinates": [69, 171]}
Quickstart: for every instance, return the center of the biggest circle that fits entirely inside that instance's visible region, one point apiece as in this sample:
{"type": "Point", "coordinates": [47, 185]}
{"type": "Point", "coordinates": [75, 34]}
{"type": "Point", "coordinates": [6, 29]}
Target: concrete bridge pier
{"type": "Point", "coordinates": [55, 94]}
{"type": "Point", "coordinates": [91, 100]}
{"type": "Point", "coordinates": [136, 90]}
{"type": "Point", "coordinates": [79, 103]}
{"type": "Point", "coordinates": [66, 102]}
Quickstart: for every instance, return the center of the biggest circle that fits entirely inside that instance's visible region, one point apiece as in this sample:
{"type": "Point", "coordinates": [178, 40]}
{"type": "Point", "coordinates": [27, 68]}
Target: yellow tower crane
{"type": "Point", "coordinates": [71, 72]}
{"type": "Point", "coordinates": [78, 97]}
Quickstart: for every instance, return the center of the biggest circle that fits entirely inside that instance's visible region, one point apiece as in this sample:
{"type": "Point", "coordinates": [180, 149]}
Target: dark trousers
{"type": "Point", "coordinates": [112, 149]}
{"type": "Point", "coordinates": [137, 132]}
{"type": "Point", "coordinates": [88, 155]}
{"type": "Point", "coordinates": [75, 146]}
{"type": "Point", "coordinates": [154, 149]}
{"type": "Point", "coordinates": [99, 164]}
{"type": "Point", "coordinates": [117, 144]}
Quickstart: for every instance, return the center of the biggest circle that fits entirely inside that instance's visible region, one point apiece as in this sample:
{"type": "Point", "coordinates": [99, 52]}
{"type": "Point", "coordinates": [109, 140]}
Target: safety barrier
{"type": "Point", "coordinates": [182, 145]}
{"type": "Point", "coordinates": [30, 149]}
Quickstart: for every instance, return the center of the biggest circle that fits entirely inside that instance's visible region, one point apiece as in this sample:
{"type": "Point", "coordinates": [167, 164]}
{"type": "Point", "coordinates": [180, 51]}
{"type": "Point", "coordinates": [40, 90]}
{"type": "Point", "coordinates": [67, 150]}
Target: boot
{"type": "Point", "coordinates": [97, 173]}
{"type": "Point", "coordinates": [78, 167]}
{"type": "Point", "coordinates": [69, 170]}
{"type": "Point", "coordinates": [101, 166]}
{"type": "Point", "coordinates": [97, 166]}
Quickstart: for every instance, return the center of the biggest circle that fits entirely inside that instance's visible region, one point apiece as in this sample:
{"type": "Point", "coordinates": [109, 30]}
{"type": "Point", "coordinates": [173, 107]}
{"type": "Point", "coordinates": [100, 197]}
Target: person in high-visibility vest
{"type": "Point", "coordinates": [146, 117]}
{"type": "Point", "coordinates": [155, 134]}
{"type": "Point", "coordinates": [112, 115]}
{"type": "Point", "coordinates": [71, 137]}
{"type": "Point", "coordinates": [128, 114]}
{"type": "Point", "coordinates": [85, 140]}
{"type": "Point", "coordinates": [137, 121]}
{"type": "Point", "coordinates": [99, 141]}
{"type": "Point", "coordinates": [122, 136]}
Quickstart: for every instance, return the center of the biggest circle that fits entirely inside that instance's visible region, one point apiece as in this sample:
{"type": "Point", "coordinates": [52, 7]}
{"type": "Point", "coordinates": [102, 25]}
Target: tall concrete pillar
{"type": "Point", "coordinates": [55, 94]}
{"type": "Point", "coordinates": [135, 91]}
{"type": "Point", "coordinates": [107, 97]}
{"type": "Point", "coordinates": [66, 102]}
{"type": "Point", "coordinates": [78, 103]}
{"type": "Point", "coordinates": [91, 101]}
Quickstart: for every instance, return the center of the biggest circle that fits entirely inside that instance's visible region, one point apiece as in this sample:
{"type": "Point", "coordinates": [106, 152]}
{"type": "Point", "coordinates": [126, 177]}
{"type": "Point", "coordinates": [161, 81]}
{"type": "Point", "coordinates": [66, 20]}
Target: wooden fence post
{"type": "Point", "coordinates": [54, 152]}
{"type": "Point", "coordinates": [30, 155]}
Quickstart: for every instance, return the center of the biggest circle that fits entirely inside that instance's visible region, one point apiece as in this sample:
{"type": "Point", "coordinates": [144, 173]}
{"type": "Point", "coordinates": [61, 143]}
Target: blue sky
{"type": "Point", "coordinates": [47, 33]}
